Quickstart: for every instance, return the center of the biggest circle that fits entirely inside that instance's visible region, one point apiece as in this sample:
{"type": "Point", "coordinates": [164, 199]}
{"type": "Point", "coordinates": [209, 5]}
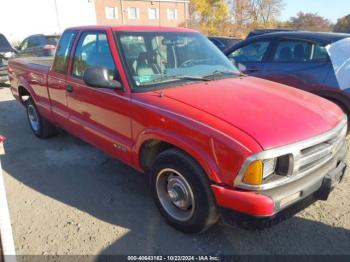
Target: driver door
{"type": "Point", "coordinates": [100, 116]}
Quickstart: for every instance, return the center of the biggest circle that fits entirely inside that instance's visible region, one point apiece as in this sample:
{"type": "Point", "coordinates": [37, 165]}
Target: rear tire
{"type": "Point", "coordinates": [181, 191]}
{"type": "Point", "coordinates": [39, 125]}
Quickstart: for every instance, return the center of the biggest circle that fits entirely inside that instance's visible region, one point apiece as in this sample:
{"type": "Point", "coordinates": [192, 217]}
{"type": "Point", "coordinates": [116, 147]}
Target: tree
{"type": "Point", "coordinates": [310, 22]}
{"type": "Point", "coordinates": [342, 25]}
{"type": "Point", "coordinates": [265, 12]}
{"type": "Point", "coordinates": [211, 15]}
{"type": "Point", "coordinates": [252, 14]}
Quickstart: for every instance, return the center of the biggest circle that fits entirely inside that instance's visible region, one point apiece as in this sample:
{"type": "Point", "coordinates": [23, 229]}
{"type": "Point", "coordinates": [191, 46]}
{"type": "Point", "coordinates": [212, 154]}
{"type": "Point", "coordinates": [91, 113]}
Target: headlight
{"type": "Point", "coordinates": [259, 172]}
{"type": "Point", "coordinates": [269, 166]}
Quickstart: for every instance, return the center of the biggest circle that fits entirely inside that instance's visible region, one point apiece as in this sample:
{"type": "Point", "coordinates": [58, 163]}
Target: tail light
{"type": "Point", "coordinates": [2, 149]}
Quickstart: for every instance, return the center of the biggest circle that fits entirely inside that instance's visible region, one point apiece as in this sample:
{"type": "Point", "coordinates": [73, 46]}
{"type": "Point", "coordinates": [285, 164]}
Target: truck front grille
{"type": "Point", "coordinates": [316, 156]}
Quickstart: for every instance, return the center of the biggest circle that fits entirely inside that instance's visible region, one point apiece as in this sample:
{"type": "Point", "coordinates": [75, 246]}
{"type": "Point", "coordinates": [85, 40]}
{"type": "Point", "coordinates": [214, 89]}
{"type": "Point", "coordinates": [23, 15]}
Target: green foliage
{"type": "Point", "coordinates": [211, 14]}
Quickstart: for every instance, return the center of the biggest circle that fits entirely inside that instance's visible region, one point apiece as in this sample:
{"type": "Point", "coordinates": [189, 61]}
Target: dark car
{"type": "Point", "coordinates": [298, 59]}
{"type": "Point", "coordinates": [223, 42]}
{"type": "Point", "coordinates": [6, 52]}
{"type": "Point", "coordinates": [38, 45]}
{"type": "Point", "coordinates": [266, 31]}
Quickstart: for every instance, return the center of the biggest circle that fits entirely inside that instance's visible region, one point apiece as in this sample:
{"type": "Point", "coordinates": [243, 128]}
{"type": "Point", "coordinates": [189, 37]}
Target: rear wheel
{"type": "Point", "coordinates": [181, 191]}
{"type": "Point", "coordinates": [40, 126]}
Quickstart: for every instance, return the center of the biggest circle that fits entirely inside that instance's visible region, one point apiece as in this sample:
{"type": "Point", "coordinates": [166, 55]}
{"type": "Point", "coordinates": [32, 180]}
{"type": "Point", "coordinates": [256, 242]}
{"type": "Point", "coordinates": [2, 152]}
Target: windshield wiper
{"type": "Point", "coordinates": [196, 78]}
{"type": "Point", "coordinates": [168, 78]}
{"type": "Point", "coordinates": [221, 73]}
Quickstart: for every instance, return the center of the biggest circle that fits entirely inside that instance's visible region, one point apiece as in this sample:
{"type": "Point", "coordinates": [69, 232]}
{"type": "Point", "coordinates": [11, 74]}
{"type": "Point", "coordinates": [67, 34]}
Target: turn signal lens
{"type": "Point", "coordinates": [254, 173]}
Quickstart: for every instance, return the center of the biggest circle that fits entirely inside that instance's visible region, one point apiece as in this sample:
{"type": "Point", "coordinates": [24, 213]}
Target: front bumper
{"type": "Point", "coordinates": [268, 203]}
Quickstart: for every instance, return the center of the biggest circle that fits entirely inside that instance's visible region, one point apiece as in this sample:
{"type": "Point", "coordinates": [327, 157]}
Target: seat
{"type": "Point", "coordinates": [299, 53]}
{"type": "Point", "coordinates": [285, 54]}
{"type": "Point", "coordinates": [146, 64]}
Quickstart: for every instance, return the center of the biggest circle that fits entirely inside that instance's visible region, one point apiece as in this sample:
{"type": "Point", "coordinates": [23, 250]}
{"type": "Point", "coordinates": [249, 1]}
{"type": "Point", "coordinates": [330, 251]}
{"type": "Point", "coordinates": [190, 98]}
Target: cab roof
{"type": "Point", "coordinates": [133, 28]}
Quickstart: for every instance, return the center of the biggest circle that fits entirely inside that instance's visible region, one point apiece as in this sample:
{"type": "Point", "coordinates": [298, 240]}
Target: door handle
{"type": "Point", "coordinates": [69, 88]}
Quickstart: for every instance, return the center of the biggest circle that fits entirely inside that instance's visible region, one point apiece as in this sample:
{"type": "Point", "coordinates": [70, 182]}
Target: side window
{"type": "Point", "coordinates": [24, 45]}
{"type": "Point", "coordinates": [33, 41]}
{"type": "Point", "coordinates": [253, 52]}
{"type": "Point", "coordinates": [62, 52]}
{"type": "Point", "coordinates": [318, 53]}
{"type": "Point", "coordinates": [93, 50]}
{"type": "Point", "coordinates": [292, 51]}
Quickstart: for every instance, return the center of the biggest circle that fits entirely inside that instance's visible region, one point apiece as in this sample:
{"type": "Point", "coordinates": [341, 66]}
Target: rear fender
{"type": "Point", "coordinates": [24, 83]}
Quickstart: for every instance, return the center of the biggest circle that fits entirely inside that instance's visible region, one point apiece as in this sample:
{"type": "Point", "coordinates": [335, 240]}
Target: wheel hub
{"type": "Point", "coordinates": [175, 194]}
{"type": "Point", "coordinates": [33, 118]}
{"type": "Point", "coordinates": [178, 192]}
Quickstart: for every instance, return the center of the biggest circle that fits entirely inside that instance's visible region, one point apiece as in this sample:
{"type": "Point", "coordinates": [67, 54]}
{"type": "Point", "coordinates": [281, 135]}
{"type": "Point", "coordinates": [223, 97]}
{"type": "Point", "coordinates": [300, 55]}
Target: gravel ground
{"type": "Point", "coordinates": [66, 197]}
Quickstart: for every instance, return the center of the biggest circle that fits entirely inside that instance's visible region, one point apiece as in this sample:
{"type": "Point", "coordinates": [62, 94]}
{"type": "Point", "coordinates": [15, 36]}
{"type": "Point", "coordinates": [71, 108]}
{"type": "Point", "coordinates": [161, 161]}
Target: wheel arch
{"type": "Point", "coordinates": [151, 144]}
{"type": "Point", "coordinates": [339, 99]}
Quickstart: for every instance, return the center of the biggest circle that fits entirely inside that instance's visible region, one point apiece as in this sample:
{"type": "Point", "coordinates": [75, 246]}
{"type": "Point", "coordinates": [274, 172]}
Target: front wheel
{"type": "Point", "coordinates": [39, 125]}
{"type": "Point", "coordinates": [181, 191]}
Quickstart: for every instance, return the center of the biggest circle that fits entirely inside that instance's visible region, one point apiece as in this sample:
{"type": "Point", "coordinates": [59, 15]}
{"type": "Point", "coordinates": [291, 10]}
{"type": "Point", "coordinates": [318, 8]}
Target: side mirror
{"type": "Point", "coordinates": [241, 67]}
{"type": "Point", "coordinates": [97, 76]}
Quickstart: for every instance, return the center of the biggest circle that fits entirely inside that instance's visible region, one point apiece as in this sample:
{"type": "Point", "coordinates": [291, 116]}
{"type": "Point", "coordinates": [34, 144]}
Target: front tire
{"type": "Point", "coordinates": [39, 125]}
{"type": "Point", "coordinates": [181, 191]}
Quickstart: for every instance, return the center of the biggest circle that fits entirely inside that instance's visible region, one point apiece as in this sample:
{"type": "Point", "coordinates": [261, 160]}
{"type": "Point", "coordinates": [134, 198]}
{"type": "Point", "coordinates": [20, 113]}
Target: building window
{"type": "Point", "coordinates": [133, 13]}
{"type": "Point", "coordinates": [172, 13]}
{"type": "Point", "coordinates": [153, 13]}
{"type": "Point", "coordinates": [111, 12]}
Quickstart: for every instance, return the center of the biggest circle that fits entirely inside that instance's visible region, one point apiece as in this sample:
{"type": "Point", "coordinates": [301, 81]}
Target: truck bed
{"type": "Point", "coordinates": [41, 64]}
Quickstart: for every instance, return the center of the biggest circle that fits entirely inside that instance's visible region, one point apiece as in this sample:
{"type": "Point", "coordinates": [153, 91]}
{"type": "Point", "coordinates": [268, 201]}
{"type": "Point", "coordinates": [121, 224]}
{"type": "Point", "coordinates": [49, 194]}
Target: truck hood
{"type": "Point", "coordinates": [272, 114]}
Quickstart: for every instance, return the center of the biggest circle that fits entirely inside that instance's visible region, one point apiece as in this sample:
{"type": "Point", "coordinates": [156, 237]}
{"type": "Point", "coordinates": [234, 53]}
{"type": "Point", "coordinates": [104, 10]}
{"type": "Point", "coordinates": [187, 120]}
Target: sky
{"type": "Point", "coordinates": [21, 18]}
{"type": "Point", "coordinates": [331, 9]}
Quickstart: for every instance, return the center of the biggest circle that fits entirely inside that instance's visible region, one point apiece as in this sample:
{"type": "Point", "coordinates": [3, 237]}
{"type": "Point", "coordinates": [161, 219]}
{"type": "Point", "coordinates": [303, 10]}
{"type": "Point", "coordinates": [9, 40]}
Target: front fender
{"type": "Point", "coordinates": [200, 152]}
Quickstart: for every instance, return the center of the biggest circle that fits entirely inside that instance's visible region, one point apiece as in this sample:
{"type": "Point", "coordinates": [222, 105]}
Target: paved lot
{"type": "Point", "coordinates": [66, 197]}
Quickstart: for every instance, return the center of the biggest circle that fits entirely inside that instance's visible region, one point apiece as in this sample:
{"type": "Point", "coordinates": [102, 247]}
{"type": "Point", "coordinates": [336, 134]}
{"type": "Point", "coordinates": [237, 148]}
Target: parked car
{"type": "Point", "coordinates": [298, 59]}
{"type": "Point", "coordinates": [38, 45]}
{"type": "Point", "coordinates": [269, 30]}
{"type": "Point", "coordinates": [209, 138]}
{"type": "Point", "coordinates": [223, 42]}
{"type": "Point", "coordinates": [6, 52]}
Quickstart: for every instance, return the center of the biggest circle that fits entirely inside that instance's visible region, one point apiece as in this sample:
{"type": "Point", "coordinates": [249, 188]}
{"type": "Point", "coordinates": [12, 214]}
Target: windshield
{"type": "Point", "coordinates": [52, 40]}
{"type": "Point", "coordinates": [161, 59]}
{"type": "Point", "coordinates": [4, 44]}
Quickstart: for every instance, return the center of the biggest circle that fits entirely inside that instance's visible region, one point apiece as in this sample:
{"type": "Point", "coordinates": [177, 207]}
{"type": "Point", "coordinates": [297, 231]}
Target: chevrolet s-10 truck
{"type": "Point", "coordinates": [166, 101]}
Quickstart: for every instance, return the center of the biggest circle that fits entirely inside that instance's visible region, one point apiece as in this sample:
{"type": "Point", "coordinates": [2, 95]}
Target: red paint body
{"type": "Point", "coordinates": [219, 123]}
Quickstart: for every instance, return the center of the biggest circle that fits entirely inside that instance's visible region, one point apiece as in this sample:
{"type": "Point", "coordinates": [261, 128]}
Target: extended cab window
{"type": "Point", "coordinates": [253, 52]}
{"type": "Point", "coordinates": [93, 50]}
{"type": "Point", "coordinates": [62, 52]}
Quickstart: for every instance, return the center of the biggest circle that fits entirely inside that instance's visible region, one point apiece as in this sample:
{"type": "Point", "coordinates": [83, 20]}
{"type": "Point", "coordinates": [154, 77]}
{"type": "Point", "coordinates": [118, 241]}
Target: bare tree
{"type": "Point", "coordinates": [265, 11]}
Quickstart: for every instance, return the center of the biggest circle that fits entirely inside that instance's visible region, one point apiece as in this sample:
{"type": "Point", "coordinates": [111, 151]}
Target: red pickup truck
{"type": "Point", "coordinates": [167, 102]}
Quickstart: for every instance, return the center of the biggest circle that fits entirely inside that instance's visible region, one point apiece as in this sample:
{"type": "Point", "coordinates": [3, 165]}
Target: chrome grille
{"type": "Point", "coordinates": [316, 156]}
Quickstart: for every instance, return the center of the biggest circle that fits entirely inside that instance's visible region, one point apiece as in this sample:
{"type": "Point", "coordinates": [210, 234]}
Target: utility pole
{"type": "Point", "coordinates": [57, 16]}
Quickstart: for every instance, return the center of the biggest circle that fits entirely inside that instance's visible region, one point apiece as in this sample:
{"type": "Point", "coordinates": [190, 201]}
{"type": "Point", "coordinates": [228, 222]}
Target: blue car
{"type": "Point", "coordinates": [311, 61]}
